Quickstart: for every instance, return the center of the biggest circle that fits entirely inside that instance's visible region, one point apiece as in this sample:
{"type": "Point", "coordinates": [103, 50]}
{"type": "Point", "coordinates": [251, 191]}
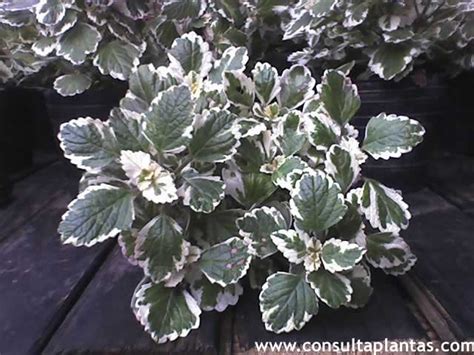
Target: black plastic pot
{"type": "Point", "coordinates": [427, 104]}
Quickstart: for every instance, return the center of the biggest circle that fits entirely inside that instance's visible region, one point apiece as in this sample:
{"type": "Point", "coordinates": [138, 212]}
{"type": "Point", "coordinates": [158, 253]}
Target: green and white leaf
{"type": "Point", "coordinates": [79, 41]}
{"type": "Point", "coordinates": [267, 82]}
{"type": "Point", "coordinates": [356, 13]}
{"type": "Point", "coordinates": [154, 182]}
{"type": "Point", "coordinates": [233, 59]}
{"type": "Point", "coordinates": [287, 302]}
{"type": "Point", "coordinates": [72, 84]}
{"type": "Point", "coordinates": [166, 313]}
{"type": "Point", "coordinates": [296, 87]}
{"type": "Point", "coordinates": [239, 89]}
{"type": "Point", "coordinates": [342, 165]}
{"type": "Point", "coordinates": [50, 12]}
{"type": "Point", "coordinates": [288, 172]}
{"type": "Point", "coordinates": [250, 127]}
{"type": "Point", "coordinates": [212, 297]}
{"type": "Point", "coordinates": [299, 24]}
{"type": "Point", "coordinates": [183, 9]}
{"type": "Point", "coordinates": [320, 8]}
{"type": "Point", "coordinates": [289, 134]}
{"type": "Point", "coordinates": [339, 255]}
{"type": "Point", "coordinates": [227, 262]}
{"type": "Point", "coordinates": [317, 202]}
{"type": "Point", "coordinates": [390, 136]}
{"type": "Point", "coordinates": [333, 289]}
{"type": "Point", "coordinates": [257, 226]}
{"type": "Point", "coordinates": [128, 130]}
{"type": "Point", "coordinates": [361, 289]}
{"type": "Point", "coordinates": [390, 59]}
{"type": "Point", "coordinates": [117, 59]}
{"type": "Point", "coordinates": [201, 193]}
{"type": "Point", "coordinates": [89, 144]}
{"type": "Point", "coordinates": [389, 23]}
{"type": "Point", "coordinates": [44, 46]}
{"type": "Point", "coordinates": [291, 244]}
{"type": "Point", "coordinates": [323, 132]}
{"type": "Point", "coordinates": [98, 213]}
{"type": "Point", "coordinates": [190, 53]}
{"type": "Point", "coordinates": [339, 96]}
{"type": "Point", "coordinates": [169, 122]}
{"type": "Point", "coordinates": [127, 241]}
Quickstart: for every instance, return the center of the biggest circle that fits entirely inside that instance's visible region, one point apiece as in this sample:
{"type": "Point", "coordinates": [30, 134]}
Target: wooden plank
{"type": "Point", "coordinates": [102, 321]}
{"type": "Point", "coordinates": [386, 316]}
{"type": "Point", "coordinates": [32, 194]}
{"type": "Point", "coordinates": [442, 241]}
{"type": "Point", "coordinates": [39, 277]}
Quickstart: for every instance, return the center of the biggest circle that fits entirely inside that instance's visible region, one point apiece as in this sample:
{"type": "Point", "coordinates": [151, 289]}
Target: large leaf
{"type": "Point", "coordinates": [117, 59]}
{"type": "Point", "coordinates": [389, 136]}
{"type": "Point", "coordinates": [317, 202]}
{"type": "Point", "coordinates": [339, 96]}
{"type": "Point", "coordinates": [239, 89]}
{"type": "Point", "coordinates": [128, 130]}
{"type": "Point", "coordinates": [323, 132]}
{"type": "Point", "coordinates": [170, 119]}
{"type": "Point", "coordinates": [391, 59]}
{"type": "Point", "coordinates": [267, 82]}
{"type": "Point", "coordinates": [342, 165]}
{"type": "Point", "coordinates": [98, 213]}
{"type": "Point", "coordinates": [289, 135]}
{"type": "Point", "coordinates": [212, 297]}
{"type": "Point", "coordinates": [339, 255]}
{"type": "Point", "coordinates": [333, 289]}
{"type": "Point", "coordinates": [88, 143]}
{"type": "Point", "coordinates": [51, 12]}
{"type": "Point", "coordinates": [79, 41]}
{"type": "Point", "coordinates": [287, 302]}
{"type": "Point", "coordinates": [183, 9]}
{"type": "Point", "coordinates": [72, 84]}
{"type": "Point", "coordinates": [226, 263]}
{"type": "Point", "coordinates": [201, 192]}
{"type": "Point", "coordinates": [160, 248]}
{"type": "Point", "coordinates": [383, 207]}
{"type": "Point", "coordinates": [217, 226]}
{"type": "Point", "coordinates": [257, 226]}
{"type": "Point", "coordinates": [190, 53]}
{"type": "Point", "coordinates": [296, 87]}
{"type": "Point", "coordinates": [166, 313]}
{"type": "Point", "coordinates": [216, 137]}
{"type": "Point", "coordinates": [233, 59]}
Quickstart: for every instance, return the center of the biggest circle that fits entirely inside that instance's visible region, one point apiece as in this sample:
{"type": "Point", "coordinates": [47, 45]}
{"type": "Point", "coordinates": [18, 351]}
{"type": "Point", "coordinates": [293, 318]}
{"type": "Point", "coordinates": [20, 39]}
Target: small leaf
{"type": "Point", "coordinates": [98, 213]}
{"type": "Point", "coordinates": [183, 9]}
{"type": "Point", "coordinates": [321, 8]}
{"type": "Point", "coordinates": [233, 59]}
{"type": "Point", "coordinates": [217, 226]}
{"type": "Point", "coordinates": [383, 207]}
{"type": "Point", "coordinates": [127, 241]}
{"type": "Point", "coordinates": [170, 119]}
{"type": "Point", "coordinates": [360, 283]}
{"type": "Point", "coordinates": [339, 255]}
{"type": "Point", "coordinates": [291, 244]}
{"type": "Point", "coordinates": [72, 84]}
{"type": "Point", "coordinates": [200, 192]}
{"type": "Point", "coordinates": [44, 46]}
{"type": "Point", "coordinates": [333, 289]}
{"type": "Point", "coordinates": [267, 82]}
{"type": "Point", "coordinates": [349, 226]}
{"type": "Point", "coordinates": [339, 96]}
{"type": "Point", "coordinates": [356, 13]}
{"type": "Point", "coordinates": [289, 135]}
{"type": "Point", "coordinates": [89, 144]}
{"type": "Point", "coordinates": [296, 87]}
{"type": "Point", "coordinates": [239, 89]}
{"type": "Point", "coordinates": [317, 202]}
{"type": "Point", "coordinates": [288, 172]}
{"type": "Point", "coordinates": [391, 59]}
{"type": "Point", "coordinates": [299, 24]}
{"type": "Point", "coordinates": [389, 136]}
{"type": "Point", "coordinates": [323, 132]}
{"type": "Point", "coordinates": [226, 263]}
{"type": "Point", "coordinates": [166, 313]}
{"type": "Point", "coordinates": [190, 53]}
{"type": "Point", "coordinates": [79, 41]}
{"type": "Point", "coordinates": [117, 59]}
{"type": "Point", "coordinates": [212, 297]}
{"type": "Point", "coordinates": [257, 226]}
{"type": "Point", "coordinates": [287, 302]}
{"type": "Point", "coordinates": [217, 137]}
{"type": "Point", "coordinates": [128, 130]}
{"type": "Point", "coordinates": [342, 165]}
{"type": "Point", "coordinates": [50, 12]}
{"type": "Point", "coordinates": [161, 249]}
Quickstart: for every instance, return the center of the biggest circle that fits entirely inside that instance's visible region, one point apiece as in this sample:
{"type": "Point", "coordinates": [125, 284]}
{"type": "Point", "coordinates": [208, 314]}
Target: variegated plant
{"type": "Point", "coordinates": [208, 173]}
{"type": "Point", "coordinates": [387, 37]}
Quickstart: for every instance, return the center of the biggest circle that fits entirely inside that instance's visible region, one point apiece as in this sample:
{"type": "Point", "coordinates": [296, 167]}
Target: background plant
{"type": "Point", "coordinates": [387, 38]}
{"type": "Point", "coordinates": [208, 174]}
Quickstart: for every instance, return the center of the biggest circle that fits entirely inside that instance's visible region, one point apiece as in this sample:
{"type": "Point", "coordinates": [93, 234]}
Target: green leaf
{"type": "Point", "coordinates": [342, 165]}
{"type": "Point", "coordinates": [72, 84]}
{"type": "Point", "coordinates": [291, 244]}
{"type": "Point", "coordinates": [217, 226]}
{"type": "Point", "coordinates": [317, 202]}
{"type": "Point", "coordinates": [288, 172]}
{"type": "Point", "coordinates": [212, 297]}
{"type": "Point", "coordinates": [389, 136]}
{"type": "Point", "coordinates": [200, 192]}
{"type": "Point", "coordinates": [388, 251]}
{"type": "Point", "coordinates": [170, 119]}
{"type": "Point", "coordinates": [166, 313]}
{"type": "Point", "coordinates": [117, 59]}
{"type": "Point", "coordinates": [289, 135]}
{"type": "Point", "coordinates": [257, 226]}
{"type": "Point", "coordinates": [239, 89]}
{"type": "Point", "coordinates": [79, 41]}
{"type": "Point", "coordinates": [321, 8]}
{"type": "Point", "coordinates": [323, 132]}
{"type": "Point", "coordinates": [349, 226]}
{"type": "Point", "coordinates": [296, 87]}
{"type": "Point", "coordinates": [267, 82]}
{"type": "Point", "coordinates": [233, 59]}
{"type": "Point", "coordinates": [339, 96]}
{"type": "Point", "coordinates": [50, 12]}
{"type": "Point", "coordinates": [360, 283]}
{"type": "Point", "coordinates": [127, 241]}
{"type": "Point", "coordinates": [183, 9]}
{"type": "Point", "coordinates": [161, 249]}
{"type": "Point", "coordinates": [44, 46]}
{"type": "Point", "coordinates": [333, 289]}
{"type": "Point", "coordinates": [287, 302]}
{"type": "Point", "coordinates": [298, 25]}
{"type": "Point", "coordinates": [226, 263]}
{"type": "Point", "coordinates": [216, 137]}
{"type": "Point", "coordinates": [356, 13]}
{"type": "Point", "coordinates": [190, 53]}
{"type": "Point", "coordinates": [128, 130]}
{"type": "Point", "coordinates": [98, 213]}
{"type": "Point", "coordinates": [89, 144]}
{"type": "Point", "coordinates": [383, 207]}
{"type": "Point", "coordinates": [390, 60]}
{"type": "Point", "coordinates": [339, 255]}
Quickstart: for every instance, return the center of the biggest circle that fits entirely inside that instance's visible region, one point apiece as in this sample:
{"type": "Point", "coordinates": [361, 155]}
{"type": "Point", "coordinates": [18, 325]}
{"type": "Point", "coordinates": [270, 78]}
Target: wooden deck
{"type": "Point", "coordinates": [61, 299]}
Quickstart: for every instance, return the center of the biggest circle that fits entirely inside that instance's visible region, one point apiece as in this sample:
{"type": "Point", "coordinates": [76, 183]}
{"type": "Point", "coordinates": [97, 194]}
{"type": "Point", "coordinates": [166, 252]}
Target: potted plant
{"type": "Point", "coordinates": [401, 51]}
{"type": "Point", "coordinates": [210, 173]}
